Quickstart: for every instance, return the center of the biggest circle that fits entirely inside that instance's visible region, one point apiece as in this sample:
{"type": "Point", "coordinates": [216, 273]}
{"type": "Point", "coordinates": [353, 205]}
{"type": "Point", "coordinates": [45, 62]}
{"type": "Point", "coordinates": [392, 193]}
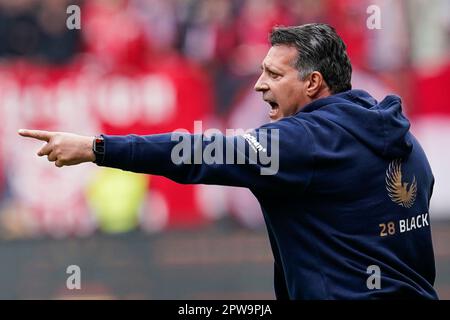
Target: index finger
{"type": "Point", "coordinates": [37, 134]}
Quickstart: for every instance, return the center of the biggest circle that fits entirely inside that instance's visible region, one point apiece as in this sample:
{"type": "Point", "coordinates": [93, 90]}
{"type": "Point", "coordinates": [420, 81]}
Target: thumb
{"type": "Point", "coordinates": [36, 134]}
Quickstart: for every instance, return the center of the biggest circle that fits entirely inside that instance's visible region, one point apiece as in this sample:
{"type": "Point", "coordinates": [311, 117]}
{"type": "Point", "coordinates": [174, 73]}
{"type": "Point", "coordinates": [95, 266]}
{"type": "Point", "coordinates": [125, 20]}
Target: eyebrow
{"type": "Point", "coordinates": [271, 68]}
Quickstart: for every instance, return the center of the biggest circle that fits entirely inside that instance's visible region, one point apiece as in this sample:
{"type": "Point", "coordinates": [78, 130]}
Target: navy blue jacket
{"type": "Point", "coordinates": [346, 207]}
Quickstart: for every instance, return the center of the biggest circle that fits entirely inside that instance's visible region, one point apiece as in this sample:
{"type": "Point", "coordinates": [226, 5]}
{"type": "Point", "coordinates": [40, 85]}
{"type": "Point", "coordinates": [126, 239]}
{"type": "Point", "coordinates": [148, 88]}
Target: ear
{"type": "Point", "coordinates": [314, 84]}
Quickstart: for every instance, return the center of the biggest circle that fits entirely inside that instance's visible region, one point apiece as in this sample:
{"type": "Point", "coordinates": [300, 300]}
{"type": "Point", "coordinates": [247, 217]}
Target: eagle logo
{"type": "Point", "coordinates": [398, 190]}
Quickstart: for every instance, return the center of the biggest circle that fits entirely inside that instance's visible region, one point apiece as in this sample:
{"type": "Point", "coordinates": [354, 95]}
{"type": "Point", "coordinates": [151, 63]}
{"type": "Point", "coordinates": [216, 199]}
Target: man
{"type": "Point", "coordinates": [346, 207]}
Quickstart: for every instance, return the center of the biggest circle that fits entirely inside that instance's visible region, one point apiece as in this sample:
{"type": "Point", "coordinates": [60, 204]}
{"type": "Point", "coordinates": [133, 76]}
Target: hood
{"type": "Point", "coordinates": [379, 125]}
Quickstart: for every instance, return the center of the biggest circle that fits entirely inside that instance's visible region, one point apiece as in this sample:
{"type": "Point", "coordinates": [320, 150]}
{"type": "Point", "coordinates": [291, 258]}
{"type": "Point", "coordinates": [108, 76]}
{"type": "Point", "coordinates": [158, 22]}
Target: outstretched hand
{"type": "Point", "coordinates": [65, 149]}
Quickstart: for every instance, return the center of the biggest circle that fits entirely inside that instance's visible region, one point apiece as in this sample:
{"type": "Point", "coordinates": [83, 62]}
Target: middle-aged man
{"type": "Point", "coordinates": [347, 192]}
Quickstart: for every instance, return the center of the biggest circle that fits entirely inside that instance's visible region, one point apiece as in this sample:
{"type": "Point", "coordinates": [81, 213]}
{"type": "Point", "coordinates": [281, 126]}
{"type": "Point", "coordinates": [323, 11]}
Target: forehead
{"type": "Point", "coordinates": [281, 56]}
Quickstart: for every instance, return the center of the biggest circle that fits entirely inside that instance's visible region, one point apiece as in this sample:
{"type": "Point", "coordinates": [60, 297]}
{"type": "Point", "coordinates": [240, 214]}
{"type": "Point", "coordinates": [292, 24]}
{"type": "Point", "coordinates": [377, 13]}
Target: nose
{"type": "Point", "coordinates": [261, 85]}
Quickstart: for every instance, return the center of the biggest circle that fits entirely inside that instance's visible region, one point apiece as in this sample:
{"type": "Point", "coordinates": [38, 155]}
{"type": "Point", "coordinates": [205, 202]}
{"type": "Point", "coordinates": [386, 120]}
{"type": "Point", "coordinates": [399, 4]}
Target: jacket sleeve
{"type": "Point", "coordinates": [274, 155]}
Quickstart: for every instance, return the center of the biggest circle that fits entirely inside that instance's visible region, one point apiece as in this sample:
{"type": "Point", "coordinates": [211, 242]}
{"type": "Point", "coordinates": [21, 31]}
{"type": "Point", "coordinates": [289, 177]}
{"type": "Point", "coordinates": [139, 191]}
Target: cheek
{"type": "Point", "coordinates": [302, 98]}
{"type": "Point", "coordinates": [295, 95]}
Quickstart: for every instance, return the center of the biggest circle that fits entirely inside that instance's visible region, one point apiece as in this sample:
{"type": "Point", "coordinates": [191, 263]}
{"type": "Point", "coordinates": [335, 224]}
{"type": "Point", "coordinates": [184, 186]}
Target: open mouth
{"type": "Point", "coordinates": [274, 108]}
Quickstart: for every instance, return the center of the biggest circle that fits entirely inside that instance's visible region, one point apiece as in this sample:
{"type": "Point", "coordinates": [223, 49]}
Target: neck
{"type": "Point", "coordinates": [322, 93]}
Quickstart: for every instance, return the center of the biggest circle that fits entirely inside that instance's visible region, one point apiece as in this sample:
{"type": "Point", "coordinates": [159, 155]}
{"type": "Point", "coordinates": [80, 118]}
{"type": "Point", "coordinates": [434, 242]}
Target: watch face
{"type": "Point", "coordinates": [99, 145]}
{"type": "Point", "coordinates": [99, 149]}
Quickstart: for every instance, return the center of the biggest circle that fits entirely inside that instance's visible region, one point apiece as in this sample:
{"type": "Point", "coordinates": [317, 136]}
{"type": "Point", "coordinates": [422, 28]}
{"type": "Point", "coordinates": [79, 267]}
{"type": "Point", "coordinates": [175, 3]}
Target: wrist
{"type": "Point", "coordinates": [90, 152]}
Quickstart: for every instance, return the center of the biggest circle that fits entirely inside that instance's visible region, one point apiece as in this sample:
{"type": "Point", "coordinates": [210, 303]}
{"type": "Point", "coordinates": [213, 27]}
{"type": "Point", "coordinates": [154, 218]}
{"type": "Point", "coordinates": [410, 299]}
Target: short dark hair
{"type": "Point", "coordinates": [319, 49]}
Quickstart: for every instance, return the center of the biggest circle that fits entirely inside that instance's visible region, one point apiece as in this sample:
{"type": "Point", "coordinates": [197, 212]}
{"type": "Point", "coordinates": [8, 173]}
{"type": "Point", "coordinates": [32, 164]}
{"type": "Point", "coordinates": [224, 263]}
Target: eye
{"type": "Point", "coordinates": [273, 75]}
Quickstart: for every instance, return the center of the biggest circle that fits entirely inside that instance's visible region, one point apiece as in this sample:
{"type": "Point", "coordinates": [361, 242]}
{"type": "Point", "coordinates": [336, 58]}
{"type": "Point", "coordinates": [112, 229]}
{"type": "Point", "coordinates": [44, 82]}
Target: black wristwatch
{"type": "Point", "coordinates": [98, 147]}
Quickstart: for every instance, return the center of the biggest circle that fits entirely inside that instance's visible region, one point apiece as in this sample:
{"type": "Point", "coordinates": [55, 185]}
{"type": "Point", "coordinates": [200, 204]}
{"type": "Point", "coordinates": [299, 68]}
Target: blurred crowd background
{"type": "Point", "coordinates": [151, 66]}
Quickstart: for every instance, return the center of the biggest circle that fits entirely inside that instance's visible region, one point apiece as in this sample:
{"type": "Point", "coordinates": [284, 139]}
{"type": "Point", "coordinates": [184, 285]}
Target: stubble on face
{"type": "Point", "coordinates": [280, 82]}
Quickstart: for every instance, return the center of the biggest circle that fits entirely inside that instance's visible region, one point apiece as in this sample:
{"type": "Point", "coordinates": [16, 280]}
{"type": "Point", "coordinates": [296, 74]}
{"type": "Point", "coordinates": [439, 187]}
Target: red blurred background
{"type": "Point", "coordinates": [150, 66]}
